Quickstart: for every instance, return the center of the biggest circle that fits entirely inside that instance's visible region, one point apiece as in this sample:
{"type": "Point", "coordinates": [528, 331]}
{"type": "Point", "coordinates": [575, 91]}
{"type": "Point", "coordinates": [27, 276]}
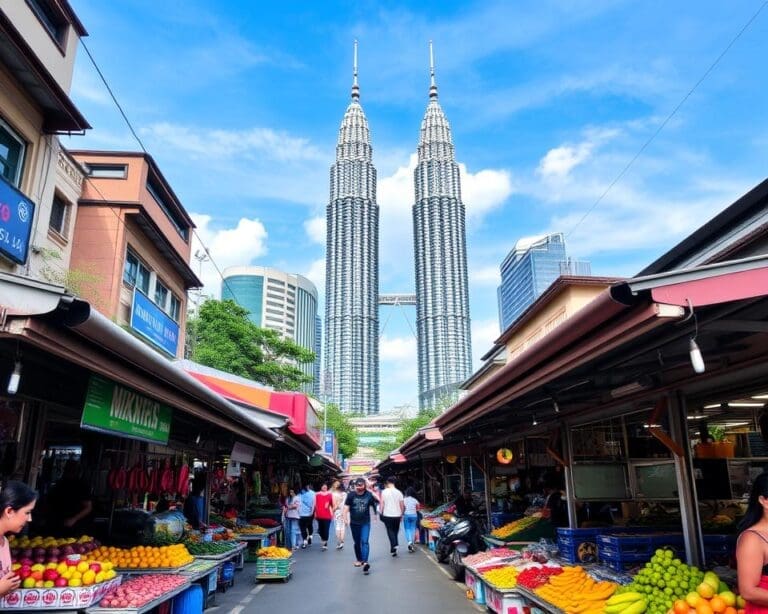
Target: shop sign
{"type": "Point", "coordinates": [112, 408]}
{"type": "Point", "coordinates": [154, 324]}
{"type": "Point", "coordinates": [16, 215]}
{"type": "Point", "coordinates": [328, 445]}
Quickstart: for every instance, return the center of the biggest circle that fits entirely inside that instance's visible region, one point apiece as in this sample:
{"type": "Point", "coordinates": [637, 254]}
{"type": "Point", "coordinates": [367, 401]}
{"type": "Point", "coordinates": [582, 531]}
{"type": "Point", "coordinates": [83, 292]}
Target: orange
{"type": "Point", "coordinates": [703, 607]}
{"type": "Point", "coordinates": [730, 610]}
{"type": "Point", "coordinates": [681, 607]}
{"type": "Point", "coordinates": [718, 604]}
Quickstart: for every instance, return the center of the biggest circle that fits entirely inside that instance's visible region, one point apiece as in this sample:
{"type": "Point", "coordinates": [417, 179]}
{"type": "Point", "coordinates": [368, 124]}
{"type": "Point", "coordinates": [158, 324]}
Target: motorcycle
{"type": "Point", "coordinates": [457, 538]}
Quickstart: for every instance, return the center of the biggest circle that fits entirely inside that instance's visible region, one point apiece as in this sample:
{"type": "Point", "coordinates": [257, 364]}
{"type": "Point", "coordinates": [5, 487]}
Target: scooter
{"type": "Point", "coordinates": [457, 538]}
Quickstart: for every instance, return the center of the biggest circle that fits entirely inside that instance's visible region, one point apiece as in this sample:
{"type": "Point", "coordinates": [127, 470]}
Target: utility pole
{"type": "Point", "coordinates": [201, 256]}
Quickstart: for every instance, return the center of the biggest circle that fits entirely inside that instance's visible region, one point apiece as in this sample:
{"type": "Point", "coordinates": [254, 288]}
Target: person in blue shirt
{"type": "Point", "coordinates": [306, 514]}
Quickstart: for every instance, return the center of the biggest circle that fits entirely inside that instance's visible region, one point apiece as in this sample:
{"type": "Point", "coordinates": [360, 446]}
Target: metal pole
{"type": "Point", "coordinates": [570, 496]}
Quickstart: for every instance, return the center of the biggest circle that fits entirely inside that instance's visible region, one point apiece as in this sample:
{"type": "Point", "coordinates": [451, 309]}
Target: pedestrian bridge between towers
{"type": "Point", "coordinates": [397, 299]}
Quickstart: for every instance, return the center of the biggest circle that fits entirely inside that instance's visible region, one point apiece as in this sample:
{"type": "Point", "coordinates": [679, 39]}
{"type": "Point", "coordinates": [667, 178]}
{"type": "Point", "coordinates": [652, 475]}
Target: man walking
{"type": "Point", "coordinates": [306, 514]}
{"type": "Point", "coordinates": [358, 516]}
{"type": "Point", "coordinates": [392, 509]}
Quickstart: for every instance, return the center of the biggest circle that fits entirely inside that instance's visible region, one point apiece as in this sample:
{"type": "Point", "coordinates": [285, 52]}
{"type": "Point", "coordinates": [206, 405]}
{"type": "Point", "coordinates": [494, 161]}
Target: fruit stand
{"type": "Point", "coordinates": [521, 532]}
{"type": "Point", "coordinates": [141, 594]}
{"type": "Point", "coordinates": [274, 563]}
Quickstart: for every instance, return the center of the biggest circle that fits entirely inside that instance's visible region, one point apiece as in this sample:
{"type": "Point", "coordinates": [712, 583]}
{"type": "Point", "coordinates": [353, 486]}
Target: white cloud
{"type": "Point", "coordinates": [399, 371]}
{"type": "Point", "coordinates": [485, 276]}
{"type": "Point", "coordinates": [484, 191]}
{"type": "Point", "coordinates": [558, 162]}
{"type": "Point", "coordinates": [227, 247]}
{"type": "Point", "coordinates": [316, 274]}
{"type": "Point", "coordinates": [315, 229]}
{"type": "Point", "coordinates": [398, 350]}
{"type": "Point", "coordinates": [484, 333]}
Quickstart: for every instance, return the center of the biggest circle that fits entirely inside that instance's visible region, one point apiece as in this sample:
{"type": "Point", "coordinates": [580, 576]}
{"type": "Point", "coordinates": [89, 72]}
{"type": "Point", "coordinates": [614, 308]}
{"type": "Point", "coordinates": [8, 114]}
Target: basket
{"type": "Point", "coordinates": [273, 568]}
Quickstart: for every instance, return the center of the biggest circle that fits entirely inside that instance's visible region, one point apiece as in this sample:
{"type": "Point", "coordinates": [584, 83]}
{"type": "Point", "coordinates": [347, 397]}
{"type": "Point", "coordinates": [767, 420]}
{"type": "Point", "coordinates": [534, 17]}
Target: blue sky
{"type": "Point", "coordinates": [240, 103]}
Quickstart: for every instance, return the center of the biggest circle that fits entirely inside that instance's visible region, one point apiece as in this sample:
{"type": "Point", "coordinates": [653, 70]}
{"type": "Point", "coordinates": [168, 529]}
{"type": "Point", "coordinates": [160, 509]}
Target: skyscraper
{"type": "Point", "coordinates": [529, 269]}
{"type": "Point", "coordinates": [281, 301]}
{"type": "Point", "coordinates": [442, 295]}
{"type": "Point", "coordinates": [352, 267]}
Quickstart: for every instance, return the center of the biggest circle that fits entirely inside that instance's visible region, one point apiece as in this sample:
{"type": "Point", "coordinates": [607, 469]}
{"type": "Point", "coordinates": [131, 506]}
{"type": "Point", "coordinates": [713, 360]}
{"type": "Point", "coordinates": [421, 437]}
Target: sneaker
{"type": "Point", "coordinates": [411, 548]}
{"type": "Point", "coordinates": [341, 545]}
{"type": "Point", "coordinates": [366, 568]}
{"type": "Point", "coordinates": [309, 540]}
{"type": "Point", "coordinates": [325, 547]}
{"type": "Point", "coordinates": [393, 551]}
{"type": "Point", "coordinates": [304, 545]}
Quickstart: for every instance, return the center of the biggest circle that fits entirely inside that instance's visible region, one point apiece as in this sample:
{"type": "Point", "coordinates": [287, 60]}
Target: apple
{"type": "Point", "coordinates": [48, 584]}
{"type": "Point", "coordinates": [711, 578]}
{"type": "Point", "coordinates": [28, 583]}
{"type": "Point", "coordinates": [36, 575]}
{"type": "Point", "coordinates": [692, 599]}
{"type": "Point", "coordinates": [705, 590]}
{"type": "Point", "coordinates": [25, 571]}
{"type": "Point", "coordinates": [728, 597]}
{"type": "Point", "coordinates": [95, 567]}
{"type": "Point", "coordinates": [60, 582]}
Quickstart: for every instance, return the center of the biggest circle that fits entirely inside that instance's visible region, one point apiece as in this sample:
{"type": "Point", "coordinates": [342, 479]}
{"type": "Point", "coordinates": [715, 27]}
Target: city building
{"type": "Point", "coordinates": [132, 238]}
{"type": "Point", "coordinates": [442, 294]}
{"type": "Point", "coordinates": [316, 392]}
{"type": "Point", "coordinates": [351, 359]}
{"type": "Point", "coordinates": [529, 269]}
{"type": "Point", "coordinates": [39, 182]}
{"type": "Point", "coordinates": [281, 301]}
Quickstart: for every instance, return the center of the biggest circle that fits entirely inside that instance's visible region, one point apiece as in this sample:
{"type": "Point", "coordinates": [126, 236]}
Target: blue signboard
{"type": "Point", "coordinates": [16, 215]}
{"type": "Point", "coordinates": [328, 445]}
{"type": "Point", "coordinates": [154, 324]}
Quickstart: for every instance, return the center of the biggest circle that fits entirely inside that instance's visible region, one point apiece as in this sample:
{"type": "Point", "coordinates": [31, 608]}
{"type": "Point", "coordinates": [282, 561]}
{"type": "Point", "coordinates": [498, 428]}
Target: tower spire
{"type": "Point", "coordinates": [432, 84]}
{"type": "Point", "coordinates": [355, 87]}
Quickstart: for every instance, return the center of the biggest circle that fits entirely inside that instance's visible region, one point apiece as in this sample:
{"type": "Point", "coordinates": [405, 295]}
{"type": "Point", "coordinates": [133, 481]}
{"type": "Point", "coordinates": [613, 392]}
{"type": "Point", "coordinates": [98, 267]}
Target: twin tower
{"type": "Point", "coordinates": [352, 264]}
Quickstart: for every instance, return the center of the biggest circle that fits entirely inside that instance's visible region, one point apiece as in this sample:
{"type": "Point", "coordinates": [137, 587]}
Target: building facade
{"type": "Point", "coordinates": [132, 239]}
{"type": "Point", "coordinates": [39, 182]}
{"type": "Point", "coordinates": [442, 293]}
{"type": "Point", "coordinates": [352, 268]}
{"type": "Point", "coordinates": [529, 269]}
{"type": "Point", "coordinates": [281, 301]}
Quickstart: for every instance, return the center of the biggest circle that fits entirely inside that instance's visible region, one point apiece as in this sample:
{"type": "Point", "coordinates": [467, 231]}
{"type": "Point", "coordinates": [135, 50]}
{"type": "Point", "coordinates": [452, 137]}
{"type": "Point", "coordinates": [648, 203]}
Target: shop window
{"type": "Point", "coordinates": [174, 308]}
{"type": "Point", "coordinates": [161, 295]}
{"type": "Point", "coordinates": [12, 150]}
{"type": "Point", "coordinates": [52, 20]}
{"type": "Point", "coordinates": [135, 273]}
{"type": "Point", "coordinates": [59, 221]}
{"type": "Point", "coordinates": [107, 171]}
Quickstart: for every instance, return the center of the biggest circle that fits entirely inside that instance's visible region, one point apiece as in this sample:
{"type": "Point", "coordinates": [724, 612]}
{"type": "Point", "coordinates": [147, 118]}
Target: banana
{"type": "Point", "coordinates": [625, 597]}
{"type": "Point", "coordinates": [618, 608]}
{"type": "Point", "coordinates": [636, 608]}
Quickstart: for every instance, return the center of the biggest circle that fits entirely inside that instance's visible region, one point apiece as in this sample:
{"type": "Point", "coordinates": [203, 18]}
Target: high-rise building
{"type": "Point", "coordinates": [281, 301]}
{"type": "Point", "coordinates": [352, 267]}
{"type": "Point", "coordinates": [316, 392]}
{"type": "Point", "coordinates": [529, 269]}
{"type": "Point", "coordinates": [442, 295]}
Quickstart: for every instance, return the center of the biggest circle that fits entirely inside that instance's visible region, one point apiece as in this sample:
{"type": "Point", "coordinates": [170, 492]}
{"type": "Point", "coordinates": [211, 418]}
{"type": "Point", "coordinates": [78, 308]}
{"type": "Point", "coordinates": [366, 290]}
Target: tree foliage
{"type": "Point", "coordinates": [222, 337]}
{"type": "Point", "coordinates": [346, 434]}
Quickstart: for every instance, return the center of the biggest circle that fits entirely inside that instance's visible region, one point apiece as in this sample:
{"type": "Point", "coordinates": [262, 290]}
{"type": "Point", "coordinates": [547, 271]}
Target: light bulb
{"type": "Point", "coordinates": [696, 359]}
{"type": "Point", "coordinates": [534, 420]}
{"type": "Point", "coordinates": [13, 381]}
{"type": "Point", "coordinates": [555, 406]}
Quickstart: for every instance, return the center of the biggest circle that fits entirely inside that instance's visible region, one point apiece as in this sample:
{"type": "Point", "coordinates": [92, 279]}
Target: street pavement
{"type": "Point", "coordinates": [328, 583]}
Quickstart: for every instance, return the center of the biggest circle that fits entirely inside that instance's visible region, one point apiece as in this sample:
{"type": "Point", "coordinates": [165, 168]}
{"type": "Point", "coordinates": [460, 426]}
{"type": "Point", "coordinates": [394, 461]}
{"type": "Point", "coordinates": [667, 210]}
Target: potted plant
{"type": "Point", "coordinates": [722, 447]}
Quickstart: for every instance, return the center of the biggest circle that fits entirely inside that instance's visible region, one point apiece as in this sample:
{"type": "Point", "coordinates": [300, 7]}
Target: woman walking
{"type": "Point", "coordinates": [752, 549]}
{"type": "Point", "coordinates": [306, 514]}
{"type": "Point", "coordinates": [17, 501]}
{"type": "Point", "coordinates": [339, 496]}
{"type": "Point", "coordinates": [291, 529]}
{"type": "Point", "coordinates": [411, 517]}
{"type": "Point", "coordinates": [324, 513]}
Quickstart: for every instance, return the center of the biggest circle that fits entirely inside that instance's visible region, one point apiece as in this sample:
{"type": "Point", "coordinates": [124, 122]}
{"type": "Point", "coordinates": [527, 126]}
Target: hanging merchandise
{"type": "Point", "coordinates": [451, 458]}
{"type": "Point", "coordinates": [256, 476]}
{"type": "Point", "coordinates": [504, 456]}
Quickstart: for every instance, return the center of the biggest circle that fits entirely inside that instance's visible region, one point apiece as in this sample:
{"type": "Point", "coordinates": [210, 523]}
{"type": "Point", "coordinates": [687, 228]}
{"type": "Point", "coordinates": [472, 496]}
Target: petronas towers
{"type": "Point", "coordinates": [352, 295]}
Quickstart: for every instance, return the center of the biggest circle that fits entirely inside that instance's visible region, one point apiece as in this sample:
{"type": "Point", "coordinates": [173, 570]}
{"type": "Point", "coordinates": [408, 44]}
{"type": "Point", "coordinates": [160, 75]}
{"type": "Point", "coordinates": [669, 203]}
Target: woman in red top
{"type": "Point", "coordinates": [324, 513]}
{"type": "Point", "coordinates": [752, 549]}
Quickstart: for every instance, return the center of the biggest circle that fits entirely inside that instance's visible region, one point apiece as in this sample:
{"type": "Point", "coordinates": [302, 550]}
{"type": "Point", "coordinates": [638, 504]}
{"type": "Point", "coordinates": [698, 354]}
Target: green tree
{"type": "Point", "coordinates": [346, 434]}
{"type": "Point", "coordinates": [222, 337]}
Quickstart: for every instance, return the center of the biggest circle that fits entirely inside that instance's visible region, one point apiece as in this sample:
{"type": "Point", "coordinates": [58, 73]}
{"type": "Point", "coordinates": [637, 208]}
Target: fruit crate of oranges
{"type": "Point", "coordinates": [146, 558]}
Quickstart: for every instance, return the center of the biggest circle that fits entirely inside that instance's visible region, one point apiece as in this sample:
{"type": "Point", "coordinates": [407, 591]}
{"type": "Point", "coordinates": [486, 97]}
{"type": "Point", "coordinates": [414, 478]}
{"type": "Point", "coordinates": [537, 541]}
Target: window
{"type": "Point", "coordinates": [135, 273]}
{"type": "Point", "coordinates": [175, 308]}
{"type": "Point", "coordinates": [107, 171]}
{"type": "Point", "coordinates": [161, 295]}
{"type": "Point", "coordinates": [11, 154]}
{"type": "Point", "coordinates": [59, 215]}
{"type": "Point", "coordinates": [53, 21]}
{"type": "Point", "coordinates": [178, 222]}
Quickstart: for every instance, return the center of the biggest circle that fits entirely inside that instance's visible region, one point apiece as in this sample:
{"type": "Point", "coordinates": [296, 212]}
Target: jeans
{"type": "Point", "coordinates": [393, 528]}
{"type": "Point", "coordinates": [292, 533]}
{"type": "Point", "coordinates": [323, 527]}
{"type": "Point", "coordinates": [409, 526]}
{"type": "Point", "coordinates": [305, 522]}
{"type": "Point", "coordinates": [361, 533]}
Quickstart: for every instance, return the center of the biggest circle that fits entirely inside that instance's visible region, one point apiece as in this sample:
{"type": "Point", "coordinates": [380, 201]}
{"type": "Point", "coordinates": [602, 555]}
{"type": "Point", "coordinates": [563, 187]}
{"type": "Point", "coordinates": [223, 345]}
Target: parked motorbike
{"type": "Point", "coordinates": [457, 538]}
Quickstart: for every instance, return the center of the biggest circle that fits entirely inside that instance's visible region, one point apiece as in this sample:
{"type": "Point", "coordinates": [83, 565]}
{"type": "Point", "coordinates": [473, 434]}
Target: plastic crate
{"type": "Point", "coordinates": [631, 543]}
{"type": "Point", "coordinates": [579, 545]}
{"type": "Point", "coordinates": [499, 519]}
{"type": "Point", "coordinates": [273, 567]}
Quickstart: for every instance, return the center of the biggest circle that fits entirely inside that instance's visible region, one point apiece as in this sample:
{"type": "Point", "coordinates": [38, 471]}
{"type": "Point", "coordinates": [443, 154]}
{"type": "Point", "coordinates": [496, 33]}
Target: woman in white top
{"type": "Point", "coordinates": [411, 517]}
{"type": "Point", "coordinates": [291, 531]}
{"type": "Point", "coordinates": [339, 496]}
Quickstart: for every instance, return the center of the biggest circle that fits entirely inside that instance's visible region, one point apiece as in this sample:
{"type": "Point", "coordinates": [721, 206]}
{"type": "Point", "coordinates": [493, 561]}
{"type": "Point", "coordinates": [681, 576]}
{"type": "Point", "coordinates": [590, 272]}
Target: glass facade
{"type": "Point", "coordinates": [248, 292]}
{"type": "Point", "coordinates": [529, 269]}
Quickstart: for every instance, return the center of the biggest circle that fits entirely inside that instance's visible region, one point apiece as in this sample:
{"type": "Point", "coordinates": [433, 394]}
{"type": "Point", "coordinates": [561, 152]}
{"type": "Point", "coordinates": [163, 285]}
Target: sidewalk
{"type": "Point", "coordinates": [328, 583]}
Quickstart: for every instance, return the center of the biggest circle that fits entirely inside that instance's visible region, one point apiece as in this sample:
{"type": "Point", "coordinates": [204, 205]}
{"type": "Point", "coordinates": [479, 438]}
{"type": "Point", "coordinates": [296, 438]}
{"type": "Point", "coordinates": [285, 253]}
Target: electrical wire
{"type": "Point", "coordinates": [629, 164]}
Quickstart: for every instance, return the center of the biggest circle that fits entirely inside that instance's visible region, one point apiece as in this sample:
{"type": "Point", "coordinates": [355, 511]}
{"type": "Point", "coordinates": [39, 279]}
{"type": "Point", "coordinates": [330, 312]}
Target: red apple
{"type": "Point", "coordinates": [60, 581]}
{"type": "Point", "coordinates": [95, 567]}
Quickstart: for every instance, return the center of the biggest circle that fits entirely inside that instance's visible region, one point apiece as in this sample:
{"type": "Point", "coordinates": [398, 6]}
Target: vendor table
{"type": "Point", "coordinates": [542, 603]}
{"type": "Point", "coordinates": [207, 574]}
{"type": "Point", "coordinates": [257, 541]}
{"type": "Point", "coordinates": [145, 608]}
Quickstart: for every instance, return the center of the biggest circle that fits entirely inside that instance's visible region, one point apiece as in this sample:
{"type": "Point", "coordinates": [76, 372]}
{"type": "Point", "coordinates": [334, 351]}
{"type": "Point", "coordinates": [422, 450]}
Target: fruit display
{"type": "Point", "coordinates": [576, 592]}
{"type": "Point", "coordinates": [32, 550]}
{"type": "Point", "coordinates": [501, 577]}
{"type": "Point", "coordinates": [145, 557]}
{"type": "Point", "coordinates": [508, 530]}
{"type": "Point", "coordinates": [267, 523]}
{"type": "Point", "coordinates": [250, 530]}
{"type": "Point", "coordinates": [210, 548]}
{"type": "Point", "coordinates": [73, 571]}
{"type": "Point", "coordinates": [432, 523]}
{"type": "Point", "coordinates": [139, 591]}
{"type": "Point", "coordinates": [721, 523]}
{"type": "Point", "coordinates": [273, 552]}
{"type": "Point", "coordinates": [473, 560]}
{"type": "Point", "coordinates": [630, 602]}
{"type": "Point", "coordinates": [533, 577]}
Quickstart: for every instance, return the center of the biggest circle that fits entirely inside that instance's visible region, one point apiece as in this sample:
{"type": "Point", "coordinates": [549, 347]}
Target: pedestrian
{"type": "Point", "coordinates": [392, 508]}
{"type": "Point", "coordinates": [17, 500]}
{"type": "Point", "coordinates": [324, 513]}
{"type": "Point", "coordinates": [306, 514]}
{"type": "Point", "coordinates": [411, 507]}
{"type": "Point", "coordinates": [357, 515]}
{"type": "Point", "coordinates": [752, 548]}
{"type": "Point", "coordinates": [339, 496]}
{"type": "Point", "coordinates": [291, 527]}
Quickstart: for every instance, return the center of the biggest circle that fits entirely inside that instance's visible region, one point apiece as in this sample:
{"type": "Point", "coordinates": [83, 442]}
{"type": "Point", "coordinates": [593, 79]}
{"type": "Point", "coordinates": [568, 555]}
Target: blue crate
{"type": "Point", "coordinates": [499, 519]}
{"type": "Point", "coordinates": [621, 544]}
{"type": "Point", "coordinates": [721, 544]}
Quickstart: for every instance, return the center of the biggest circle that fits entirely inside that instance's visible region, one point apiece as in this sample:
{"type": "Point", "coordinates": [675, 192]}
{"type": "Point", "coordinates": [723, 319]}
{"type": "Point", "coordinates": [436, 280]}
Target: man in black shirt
{"type": "Point", "coordinates": [464, 503]}
{"type": "Point", "coordinates": [69, 502]}
{"type": "Point", "coordinates": [358, 517]}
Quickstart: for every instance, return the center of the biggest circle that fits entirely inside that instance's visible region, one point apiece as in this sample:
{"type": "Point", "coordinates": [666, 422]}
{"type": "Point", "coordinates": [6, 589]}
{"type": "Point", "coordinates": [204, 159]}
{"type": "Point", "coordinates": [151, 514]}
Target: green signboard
{"type": "Point", "coordinates": [112, 408]}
